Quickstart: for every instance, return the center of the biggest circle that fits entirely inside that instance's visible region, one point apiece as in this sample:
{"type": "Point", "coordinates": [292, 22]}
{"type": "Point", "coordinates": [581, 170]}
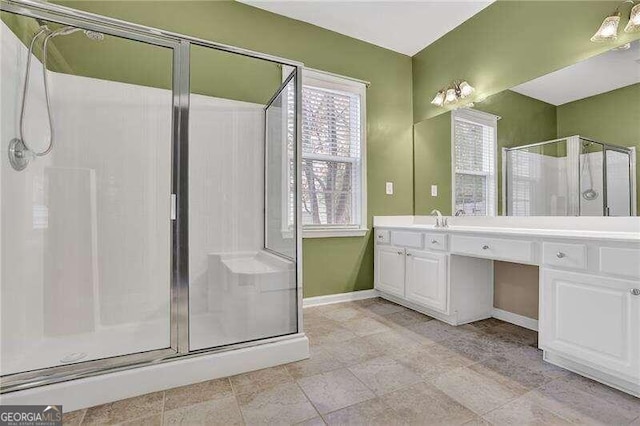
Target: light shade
{"type": "Point", "coordinates": [439, 99]}
{"type": "Point", "coordinates": [466, 89]}
{"type": "Point", "coordinates": [634, 20]}
{"type": "Point", "coordinates": [608, 30]}
{"type": "Point", "coordinates": [451, 96]}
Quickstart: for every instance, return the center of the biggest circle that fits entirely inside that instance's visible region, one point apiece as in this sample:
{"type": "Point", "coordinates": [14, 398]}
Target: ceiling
{"type": "Point", "coordinates": [404, 26]}
{"type": "Point", "coordinates": [600, 74]}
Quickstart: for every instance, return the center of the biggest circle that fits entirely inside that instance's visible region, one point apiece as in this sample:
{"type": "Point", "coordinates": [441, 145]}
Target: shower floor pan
{"type": "Point", "coordinates": [34, 354]}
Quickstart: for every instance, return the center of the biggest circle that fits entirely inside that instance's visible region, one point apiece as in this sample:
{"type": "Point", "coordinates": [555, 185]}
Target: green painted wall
{"type": "Point", "coordinates": [432, 156]}
{"type": "Point", "coordinates": [524, 120]}
{"type": "Point", "coordinates": [509, 43]}
{"type": "Point", "coordinates": [612, 117]}
{"type": "Point", "coordinates": [331, 265]}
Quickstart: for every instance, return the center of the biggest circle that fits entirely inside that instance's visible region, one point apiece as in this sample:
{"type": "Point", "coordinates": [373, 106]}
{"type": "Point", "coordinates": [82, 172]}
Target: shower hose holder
{"type": "Point", "coordinates": [19, 154]}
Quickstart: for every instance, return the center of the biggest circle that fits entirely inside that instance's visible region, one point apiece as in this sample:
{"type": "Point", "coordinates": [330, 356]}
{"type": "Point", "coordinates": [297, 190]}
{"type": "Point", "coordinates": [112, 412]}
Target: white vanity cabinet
{"type": "Point", "coordinates": [390, 270]}
{"type": "Point", "coordinates": [426, 279]}
{"type": "Point", "coordinates": [589, 304]}
{"type": "Point", "coordinates": [405, 270]}
{"type": "Point", "coordinates": [593, 320]}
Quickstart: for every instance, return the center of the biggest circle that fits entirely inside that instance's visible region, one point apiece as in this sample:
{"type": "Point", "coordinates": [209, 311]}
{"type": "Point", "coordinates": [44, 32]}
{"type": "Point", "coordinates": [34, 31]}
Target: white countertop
{"type": "Point", "coordinates": [595, 228]}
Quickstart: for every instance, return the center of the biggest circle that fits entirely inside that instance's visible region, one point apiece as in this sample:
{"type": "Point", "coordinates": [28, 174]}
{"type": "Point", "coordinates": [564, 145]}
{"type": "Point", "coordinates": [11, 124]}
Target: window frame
{"type": "Point", "coordinates": [484, 119]}
{"type": "Point", "coordinates": [324, 80]}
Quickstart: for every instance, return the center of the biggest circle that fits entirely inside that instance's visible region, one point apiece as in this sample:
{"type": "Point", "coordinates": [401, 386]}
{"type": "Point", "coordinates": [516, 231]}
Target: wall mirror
{"type": "Point", "coordinates": [562, 144]}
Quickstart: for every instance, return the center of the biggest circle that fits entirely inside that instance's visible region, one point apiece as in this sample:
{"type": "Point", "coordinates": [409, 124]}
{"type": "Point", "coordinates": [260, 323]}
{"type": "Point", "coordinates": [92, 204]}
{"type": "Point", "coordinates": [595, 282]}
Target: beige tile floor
{"type": "Point", "coordinates": [376, 363]}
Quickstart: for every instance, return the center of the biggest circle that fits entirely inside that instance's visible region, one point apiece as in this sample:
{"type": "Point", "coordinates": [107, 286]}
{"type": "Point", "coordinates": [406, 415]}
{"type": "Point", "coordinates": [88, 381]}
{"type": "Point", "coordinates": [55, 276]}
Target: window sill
{"type": "Point", "coordinates": [332, 233]}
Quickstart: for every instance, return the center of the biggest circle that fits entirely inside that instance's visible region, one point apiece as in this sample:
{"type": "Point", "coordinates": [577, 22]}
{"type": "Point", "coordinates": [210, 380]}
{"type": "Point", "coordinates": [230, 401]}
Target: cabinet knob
{"type": "Point", "coordinates": [485, 247]}
{"type": "Point", "coordinates": [560, 255]}
{"type": "Point", "coordinates": [434, 241]}
{"type": "Point", "coordinates": [408, 254]}
{"type": "Point", "coordinates": [635, 291]}
{"type": "Point", "coordinates": [400, 252]}
{"type": "Point", "coordinates": [380, 236]}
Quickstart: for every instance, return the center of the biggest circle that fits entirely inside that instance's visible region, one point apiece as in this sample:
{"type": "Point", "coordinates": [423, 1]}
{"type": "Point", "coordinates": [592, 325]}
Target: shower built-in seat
{"type": "Point", "coordinates": [248, 292]}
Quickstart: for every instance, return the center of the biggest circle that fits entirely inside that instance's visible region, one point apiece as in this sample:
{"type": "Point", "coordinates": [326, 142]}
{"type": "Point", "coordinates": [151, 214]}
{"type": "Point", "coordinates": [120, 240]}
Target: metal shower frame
{"type": "Point", "coordinates": [631, 152]}
{"type": "Point", "coordinates": [179, 277]}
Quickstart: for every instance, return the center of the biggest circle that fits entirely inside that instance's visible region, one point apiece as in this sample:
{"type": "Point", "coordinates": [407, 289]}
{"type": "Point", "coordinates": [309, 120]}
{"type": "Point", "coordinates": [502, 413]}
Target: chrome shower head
{"type": "Point", "coordinates": [94, 35]}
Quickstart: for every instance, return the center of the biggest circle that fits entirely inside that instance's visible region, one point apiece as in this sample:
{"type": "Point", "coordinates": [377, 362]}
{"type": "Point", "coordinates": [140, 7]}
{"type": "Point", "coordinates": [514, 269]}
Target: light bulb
{"type": "Point", "coordinates": [466, 89]}
{"type": "Point", "coordinates": [634, 20]}
{"type": "Point", "coordinates": [451, 96]}
{"type": "Point", "coordinates": [439, 99]}
{"type": "Point", "coordinates": [608, 30]}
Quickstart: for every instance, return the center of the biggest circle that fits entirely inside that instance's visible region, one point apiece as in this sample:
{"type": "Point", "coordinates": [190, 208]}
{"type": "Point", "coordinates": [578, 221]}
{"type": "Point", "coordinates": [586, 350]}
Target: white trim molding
{"type": "Point", "coordinates": [337, 232]}
{"type": "Point", "coordinates": [339, 298]}
{"type": "Point", "coordinates": [510, 317]}
{"type": "Point", "coordinates": [488, 120]}
{"type": "Point", "coordinates": [330, 81]}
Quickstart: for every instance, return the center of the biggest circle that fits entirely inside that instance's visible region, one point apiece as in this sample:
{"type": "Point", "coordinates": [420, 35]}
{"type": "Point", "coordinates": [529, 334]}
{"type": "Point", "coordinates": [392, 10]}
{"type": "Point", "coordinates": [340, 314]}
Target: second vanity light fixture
{"type": "Point", "coordinates": [608, 31]}
{"type": "Point", "coordinates": [454, 93]}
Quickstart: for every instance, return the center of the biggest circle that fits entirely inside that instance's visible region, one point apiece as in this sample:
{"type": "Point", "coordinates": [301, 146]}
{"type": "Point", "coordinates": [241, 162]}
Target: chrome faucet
{"type": "Point", "coordinates": [441, 222]}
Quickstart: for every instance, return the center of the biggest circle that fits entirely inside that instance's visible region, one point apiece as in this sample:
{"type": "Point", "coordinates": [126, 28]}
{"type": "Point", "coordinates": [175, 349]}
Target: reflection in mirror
{"type": "Point", "coordinates": [566, 143]}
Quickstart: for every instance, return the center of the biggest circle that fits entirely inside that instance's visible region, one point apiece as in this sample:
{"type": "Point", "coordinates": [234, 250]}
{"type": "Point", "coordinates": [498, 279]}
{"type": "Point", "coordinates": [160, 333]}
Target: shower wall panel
{"type": "Point", "coordinates": [226, 176]}
{"type": "Point", "coordinates": [21, 268]}
{"type": "Point", "coordinates": [85, 257]}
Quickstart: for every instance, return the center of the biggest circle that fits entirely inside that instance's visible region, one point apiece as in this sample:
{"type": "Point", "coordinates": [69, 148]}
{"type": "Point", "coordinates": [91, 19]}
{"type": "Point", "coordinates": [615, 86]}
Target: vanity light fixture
{"type": "Point", "coordinates": [451, 97]}
{"type": "Point", "coordinates": [452, 94]}
{"type": "Point", "coordinates": [608, 30]}
{"type": "Point", "coordinates": [439, 99]}
{"type": "Point", "coordinates": [466, 89]}
{"type": "Point", "coordinates": [634, 20]}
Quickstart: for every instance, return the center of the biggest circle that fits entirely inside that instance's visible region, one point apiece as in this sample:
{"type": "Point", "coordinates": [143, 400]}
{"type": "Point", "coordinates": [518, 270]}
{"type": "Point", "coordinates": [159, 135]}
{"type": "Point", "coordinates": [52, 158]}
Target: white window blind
{"type": "Point", "coordinates": [523, 178]}
{"type": "Point", "coordinates": [332, 169]}
{"type": "Point", "coordinates": [474, 162]}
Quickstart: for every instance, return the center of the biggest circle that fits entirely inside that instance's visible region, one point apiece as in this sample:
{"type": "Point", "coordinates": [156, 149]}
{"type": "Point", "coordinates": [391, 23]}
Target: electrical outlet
{"type": "Point", "coordinates": [389, 188]}
{"type": "Point", "coordinates": [434, 190]}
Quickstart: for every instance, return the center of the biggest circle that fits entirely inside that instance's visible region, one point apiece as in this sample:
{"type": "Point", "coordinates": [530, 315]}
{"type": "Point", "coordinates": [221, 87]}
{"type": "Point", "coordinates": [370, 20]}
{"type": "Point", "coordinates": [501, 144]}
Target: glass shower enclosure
{"type": "Point", "coordinates": [149, 196]}
{"type": "Point", "coordinates": [574, 176]}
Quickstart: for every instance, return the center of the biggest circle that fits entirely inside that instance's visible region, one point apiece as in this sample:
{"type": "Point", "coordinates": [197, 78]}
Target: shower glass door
{"type": "Point", "coordinates": [238, 290]}
{"type": "Point", "coordinates": [618, 181]}
{"type": "Point", "coordinates": [86, 228]}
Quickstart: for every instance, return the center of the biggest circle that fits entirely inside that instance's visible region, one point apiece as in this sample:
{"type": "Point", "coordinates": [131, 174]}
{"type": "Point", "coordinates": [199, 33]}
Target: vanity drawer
{"type": "Point", "coordinates": [565, 255]}
{"type": "Point", "coordinates": [382, 236]}
{"type": "Point", "coordinates": [493, 248]}
{"type": "Point", "coordinates": [406, 239]}
{"type": "Point", "coordinates": [624, 262]}
{"type": "Point", "coordinates": [435, 241]}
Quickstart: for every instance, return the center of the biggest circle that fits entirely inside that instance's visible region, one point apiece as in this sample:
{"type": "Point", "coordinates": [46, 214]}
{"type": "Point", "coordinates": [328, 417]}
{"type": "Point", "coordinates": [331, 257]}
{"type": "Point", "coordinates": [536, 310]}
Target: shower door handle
{"type": "Point", "coordinates": [174, 206]}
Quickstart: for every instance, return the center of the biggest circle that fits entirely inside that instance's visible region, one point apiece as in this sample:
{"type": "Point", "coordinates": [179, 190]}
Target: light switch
{"type": "Point", "coordinates": [434, 190]}
{"type": "Point", "coordinates": [389, 188]}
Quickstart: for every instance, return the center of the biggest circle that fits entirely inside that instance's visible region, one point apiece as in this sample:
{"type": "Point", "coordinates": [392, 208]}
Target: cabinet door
{"type": "Point", "coordinates": [426, 281]}
{"type": "Point", "coordinates": [389, 270]}
{"type": "Point", "coordinates": [591, 319]}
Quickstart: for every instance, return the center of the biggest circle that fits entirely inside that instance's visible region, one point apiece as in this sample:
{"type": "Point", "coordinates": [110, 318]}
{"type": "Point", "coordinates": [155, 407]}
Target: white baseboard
{"type": "Point", "coordinates": [516, 319]}
{"type": "Point", "coordinates": [340, 297]}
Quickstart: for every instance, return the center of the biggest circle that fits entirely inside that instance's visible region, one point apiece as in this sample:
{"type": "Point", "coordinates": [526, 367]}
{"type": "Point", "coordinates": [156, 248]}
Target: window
{"type": "Point", "coordinates": [333, 173]}
{"type": "Point", "coordinates": [474, 135]}
{"type": "Point", "coordinates": [524, 176]}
